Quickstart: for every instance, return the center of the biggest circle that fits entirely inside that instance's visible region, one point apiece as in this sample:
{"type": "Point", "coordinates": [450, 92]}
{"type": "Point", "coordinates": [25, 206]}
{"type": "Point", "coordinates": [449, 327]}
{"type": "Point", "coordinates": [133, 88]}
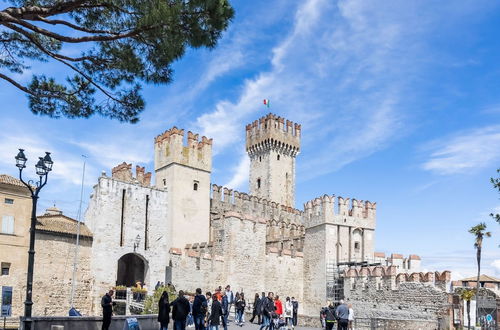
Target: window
{"type": "Point", "coordinates": [258, 183]}
{"type": "Point", "coordinates": [6, 301]}
{"type": "Point", "coordinates": [9, 201]}
{"type": "Point", "coordinates": [195, 185]}
{"type": "Point", "coordinates": [8, 224]}
{"type": "Point", "coordinates": [164, 182]}
{"type": "Point", "coordinates": [356, 245]}
{"type": "Point", "coordinates": [5, 268]}
{"type": "Point", "coordinates": [278, 158]}
{"type": "Point", "coordinates": [260, 158]}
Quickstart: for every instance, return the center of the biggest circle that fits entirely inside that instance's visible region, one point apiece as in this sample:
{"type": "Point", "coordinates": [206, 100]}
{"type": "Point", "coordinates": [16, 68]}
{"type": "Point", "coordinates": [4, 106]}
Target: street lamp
{"type": "Point", "coordinates": [43, 167]}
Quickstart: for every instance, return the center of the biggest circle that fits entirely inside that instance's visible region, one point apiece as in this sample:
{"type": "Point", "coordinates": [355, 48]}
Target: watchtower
{"type": "Point", "coordinates": [184, 171]}
{"type": "Point", "coordinates": [272, 147]}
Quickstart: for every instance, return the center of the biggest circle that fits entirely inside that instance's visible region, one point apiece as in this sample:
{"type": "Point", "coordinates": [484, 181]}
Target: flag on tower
{"type": "Point", "coordinates": [266, 102]}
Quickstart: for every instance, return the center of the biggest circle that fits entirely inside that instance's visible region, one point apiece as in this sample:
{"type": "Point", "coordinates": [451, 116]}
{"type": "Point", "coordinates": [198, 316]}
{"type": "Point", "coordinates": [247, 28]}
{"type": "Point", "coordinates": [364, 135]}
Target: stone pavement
{"type": "Point", "coordinates": [250, 326]}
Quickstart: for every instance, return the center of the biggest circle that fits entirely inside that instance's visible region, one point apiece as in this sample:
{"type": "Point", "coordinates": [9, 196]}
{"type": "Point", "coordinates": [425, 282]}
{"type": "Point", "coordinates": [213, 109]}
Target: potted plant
{"type": "Point", "coordinates": [120, 292]}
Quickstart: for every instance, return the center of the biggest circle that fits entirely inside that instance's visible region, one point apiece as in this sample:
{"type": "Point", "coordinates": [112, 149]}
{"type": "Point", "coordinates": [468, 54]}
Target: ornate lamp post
{"type": "Point", "coordinates": [43, 167]}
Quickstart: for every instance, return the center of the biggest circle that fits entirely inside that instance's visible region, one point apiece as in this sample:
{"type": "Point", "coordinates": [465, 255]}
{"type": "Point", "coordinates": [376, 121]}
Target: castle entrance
{"type": "Point", "coordinates": [132, 268]}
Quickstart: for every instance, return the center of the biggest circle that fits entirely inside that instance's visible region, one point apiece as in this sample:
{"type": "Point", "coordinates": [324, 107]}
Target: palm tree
{"type": "Point", "coordinates": [467, 294]}
{"type": "Point", "coordinates": [479, 232]}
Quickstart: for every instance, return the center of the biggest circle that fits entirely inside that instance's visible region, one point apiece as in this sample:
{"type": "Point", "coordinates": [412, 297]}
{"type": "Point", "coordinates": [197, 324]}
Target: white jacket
{"type": "Point", "coordinates": [288, 309]}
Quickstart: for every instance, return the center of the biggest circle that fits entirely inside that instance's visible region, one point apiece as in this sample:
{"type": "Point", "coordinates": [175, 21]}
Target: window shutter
{"type": "Point", "coordinates": [8, 224]}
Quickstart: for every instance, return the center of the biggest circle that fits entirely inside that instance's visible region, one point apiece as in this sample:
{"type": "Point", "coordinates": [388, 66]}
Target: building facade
{"type": "Point", "coordinates": [186, 230]}
{"type": "Point", "coordinates": [15, 215]}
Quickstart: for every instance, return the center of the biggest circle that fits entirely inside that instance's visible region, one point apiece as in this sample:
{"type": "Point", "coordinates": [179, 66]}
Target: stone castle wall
{"type": "Point", "coordinates": [379, 292]}
{"type": "Point", "coordinates": [111, 201]}
{"type": "Point", "coordinates": [53, 274]}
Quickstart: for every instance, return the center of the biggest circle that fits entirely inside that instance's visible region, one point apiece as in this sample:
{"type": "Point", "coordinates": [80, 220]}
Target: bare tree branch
{"type": "Point", "coordinates": [15, 83]}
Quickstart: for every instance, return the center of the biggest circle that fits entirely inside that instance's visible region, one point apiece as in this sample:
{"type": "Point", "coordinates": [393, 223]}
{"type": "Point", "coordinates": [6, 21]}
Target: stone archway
{"type": "Point", "coordinates": [131, 268]}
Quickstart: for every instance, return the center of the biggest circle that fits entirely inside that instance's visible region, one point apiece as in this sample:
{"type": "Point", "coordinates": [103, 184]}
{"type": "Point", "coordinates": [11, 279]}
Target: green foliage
{"type": "Point", "coordinates": [479, 232]}
{"type": "Point", "coordinates": [466, 294]}
{"type": "Point", "coordinates": [122, 44]}
{"type": "Point", "coordinates": [151, 302]}
{"type": "Point", "coordinates": [496, 184]}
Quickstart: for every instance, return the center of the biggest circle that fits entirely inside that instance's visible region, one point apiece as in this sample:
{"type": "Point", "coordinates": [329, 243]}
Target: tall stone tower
{"type": "Point", "coordinates": [272, 147]}
{"type": "Point", "coordinates": [184, 171]}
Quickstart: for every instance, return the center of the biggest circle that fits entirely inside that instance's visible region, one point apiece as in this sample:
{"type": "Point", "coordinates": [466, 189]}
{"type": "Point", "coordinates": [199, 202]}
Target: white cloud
{"type": "Point", "coordinates": [240, 175]}
{"type": "Point", "coordinates": [343, 72]}
{"type": "Point", "coordinates": [464, 152]}
{"type": "Point", "coordinates": [496, 266]}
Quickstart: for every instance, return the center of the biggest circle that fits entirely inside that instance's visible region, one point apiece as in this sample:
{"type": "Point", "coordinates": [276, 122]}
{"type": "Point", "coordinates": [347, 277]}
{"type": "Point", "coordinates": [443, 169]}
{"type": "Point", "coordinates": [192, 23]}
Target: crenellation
{"type": "Point", "coordinates": [170, 149]}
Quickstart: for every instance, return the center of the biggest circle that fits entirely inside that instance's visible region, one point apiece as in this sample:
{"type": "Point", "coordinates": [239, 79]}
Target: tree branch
{"type": "Point", "coordinates": [15, 83]}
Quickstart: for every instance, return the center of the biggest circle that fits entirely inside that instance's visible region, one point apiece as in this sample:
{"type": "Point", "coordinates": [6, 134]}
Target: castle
{"type": "Point", "coordinates": [185, 230]}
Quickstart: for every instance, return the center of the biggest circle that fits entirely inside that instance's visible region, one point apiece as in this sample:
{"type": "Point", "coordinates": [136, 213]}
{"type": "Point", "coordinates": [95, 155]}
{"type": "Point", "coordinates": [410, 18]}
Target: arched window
{"type": "Point", "coordinates": [258, 183]}
{"type": "Point", "coordinates": [260, 158]}
{"type": "Point", "coordinates": [195, 185]}
{"type": "Point", "coordinates": [278, 157]}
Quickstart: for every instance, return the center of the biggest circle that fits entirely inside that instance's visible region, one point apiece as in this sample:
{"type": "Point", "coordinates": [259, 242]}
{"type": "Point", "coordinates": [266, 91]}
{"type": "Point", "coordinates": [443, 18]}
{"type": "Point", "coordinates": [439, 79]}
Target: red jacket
{"type": "Point", "coordinates": [279, 307]}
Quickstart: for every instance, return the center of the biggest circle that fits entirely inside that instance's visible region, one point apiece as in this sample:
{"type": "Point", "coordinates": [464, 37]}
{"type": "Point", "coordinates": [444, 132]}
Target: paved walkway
{"type": "Point", "coordinates": [250, 326]}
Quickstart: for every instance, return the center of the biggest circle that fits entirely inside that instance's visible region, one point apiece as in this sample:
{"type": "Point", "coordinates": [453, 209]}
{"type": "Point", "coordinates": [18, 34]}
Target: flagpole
{"type": "Point", "coordinates": [79, 215]}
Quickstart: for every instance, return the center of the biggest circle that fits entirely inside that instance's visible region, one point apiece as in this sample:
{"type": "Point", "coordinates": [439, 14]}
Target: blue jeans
{"type": "Point", "coordinates": [214, 327]}
{"type": "Point", "coordinates": [266, 322]}
{"type": "Point", "coordinates": [199, 322]}
{"type": "Point", "coordinates": [239, 316]}
{"type": "Point", "coordinates": [225, 320]}
{"type": "Point", "coordinates": [180, 325]}
{"type": "Point", "coordinates": [163, 328]}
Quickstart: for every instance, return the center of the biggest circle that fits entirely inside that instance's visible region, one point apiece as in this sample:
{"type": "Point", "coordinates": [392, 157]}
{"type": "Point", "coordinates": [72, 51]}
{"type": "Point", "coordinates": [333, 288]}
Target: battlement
{"type": "Point", "coordinates": [381, 278]}
{"type": "Point", "coordinates": [123, 172]}
{"type": "Point", "coordinates": [334, 209]}
{"type": "Point", "coordinates": [226, 200]}
{"type": "Point", "coordinates": [273, 132]}
{"type": "Point", "coordinates": [170, 148]}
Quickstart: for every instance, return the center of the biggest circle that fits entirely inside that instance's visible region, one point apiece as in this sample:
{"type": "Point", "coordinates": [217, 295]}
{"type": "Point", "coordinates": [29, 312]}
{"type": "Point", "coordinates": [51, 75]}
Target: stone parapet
{"type": "Point", "coordinates": [272, 132]}
{"type": "Point", "coordinates": [123, 172]}
{"type": "Point", "coordinates": [170, 148]}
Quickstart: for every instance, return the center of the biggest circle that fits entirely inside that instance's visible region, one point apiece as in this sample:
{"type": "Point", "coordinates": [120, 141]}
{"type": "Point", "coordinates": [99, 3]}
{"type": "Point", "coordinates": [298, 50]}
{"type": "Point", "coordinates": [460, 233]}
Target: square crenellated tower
{"type": "Point", "coordinates": [272, 146]}
{"type": "Point", "coordinates": [184, 171]}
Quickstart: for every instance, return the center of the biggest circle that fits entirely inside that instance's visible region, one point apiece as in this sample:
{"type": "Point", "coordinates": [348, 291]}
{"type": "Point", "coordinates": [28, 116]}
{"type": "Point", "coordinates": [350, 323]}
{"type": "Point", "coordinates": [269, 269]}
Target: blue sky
{"type": "Point", "coordinates": [399, 103]}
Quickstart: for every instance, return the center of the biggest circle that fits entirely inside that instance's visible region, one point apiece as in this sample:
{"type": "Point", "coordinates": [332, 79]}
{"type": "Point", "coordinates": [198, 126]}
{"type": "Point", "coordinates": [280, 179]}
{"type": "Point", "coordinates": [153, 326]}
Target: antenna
{"type": "Point", "coordinates": [78, 221]}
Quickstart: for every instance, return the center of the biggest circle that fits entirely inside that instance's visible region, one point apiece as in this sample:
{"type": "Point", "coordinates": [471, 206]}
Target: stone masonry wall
{"type": "Point", "coordinates": [380, 293]}
{"type": "Point", "coordinates": [53, 275]}
{"type": "Point", "coordinates": [104, 216]}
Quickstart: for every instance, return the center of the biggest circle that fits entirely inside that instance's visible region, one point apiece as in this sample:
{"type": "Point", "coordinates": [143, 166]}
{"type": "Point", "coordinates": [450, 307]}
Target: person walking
{"type": "Point", "coordinates": [351, 317]}
{"type": "Point", "coordinates": [208, 296]}
{"type": "Point", "coordinates": [289, 313]}
{"type": "Point", "coordinates": [330, 316]}
{"type": "Point", "coordinates": [267, 312]}
{"type": "Point", "coordinates": [342, 314]}
{"type": "Point", "coordinates": [256, 309]}
{"type": "Point", "coordinates": [215, 314]}
{"type": "Point", "coordinates": [107, 309]}
{"type": "Point", "coordinates": [225, 310]}
{"type": "Point", "coordinates": [295, 304]}
{"type": "Point", "coordinates": [164, 311]}
{"type": "Point", "coordinates": [199, 310]}
{"type": "Point", "coordinates": [180, 311]}
{"type": "Point", "coordinates": [190, 318]}
{"type": "Point", "coordinates": [279, 306]}
{"type": "Point", "coordinates": [240, 309]}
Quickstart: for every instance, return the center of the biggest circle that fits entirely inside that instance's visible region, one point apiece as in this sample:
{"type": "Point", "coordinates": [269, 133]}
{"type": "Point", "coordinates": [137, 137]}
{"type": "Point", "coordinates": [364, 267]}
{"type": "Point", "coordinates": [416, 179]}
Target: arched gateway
{"type": "Point", "coordinates": [132, 268]}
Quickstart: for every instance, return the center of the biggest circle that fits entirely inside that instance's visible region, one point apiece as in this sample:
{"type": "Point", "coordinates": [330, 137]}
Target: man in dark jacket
{"type": "Point", "coordinates": [215, 313]}
{"type": "Point", "coordinates": [295, 305]}
{"type": "Point", "coordinates": [180, 311]}
{"type": "Point", "coordinates": [330, 316]}
{"type": "Point", "coordinates": [107, 309]}
{"type": "Point", "coordinates": [267, 312]}
{"type": "Point", "coordinates": [199, 310]}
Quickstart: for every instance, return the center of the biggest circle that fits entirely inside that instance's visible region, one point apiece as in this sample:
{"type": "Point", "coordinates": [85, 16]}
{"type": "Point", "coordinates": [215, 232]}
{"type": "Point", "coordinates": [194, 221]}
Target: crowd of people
{"type": "Point", "coordinates": [339, 314]}
{"type": "Point", "coordinates": [210, 311]}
